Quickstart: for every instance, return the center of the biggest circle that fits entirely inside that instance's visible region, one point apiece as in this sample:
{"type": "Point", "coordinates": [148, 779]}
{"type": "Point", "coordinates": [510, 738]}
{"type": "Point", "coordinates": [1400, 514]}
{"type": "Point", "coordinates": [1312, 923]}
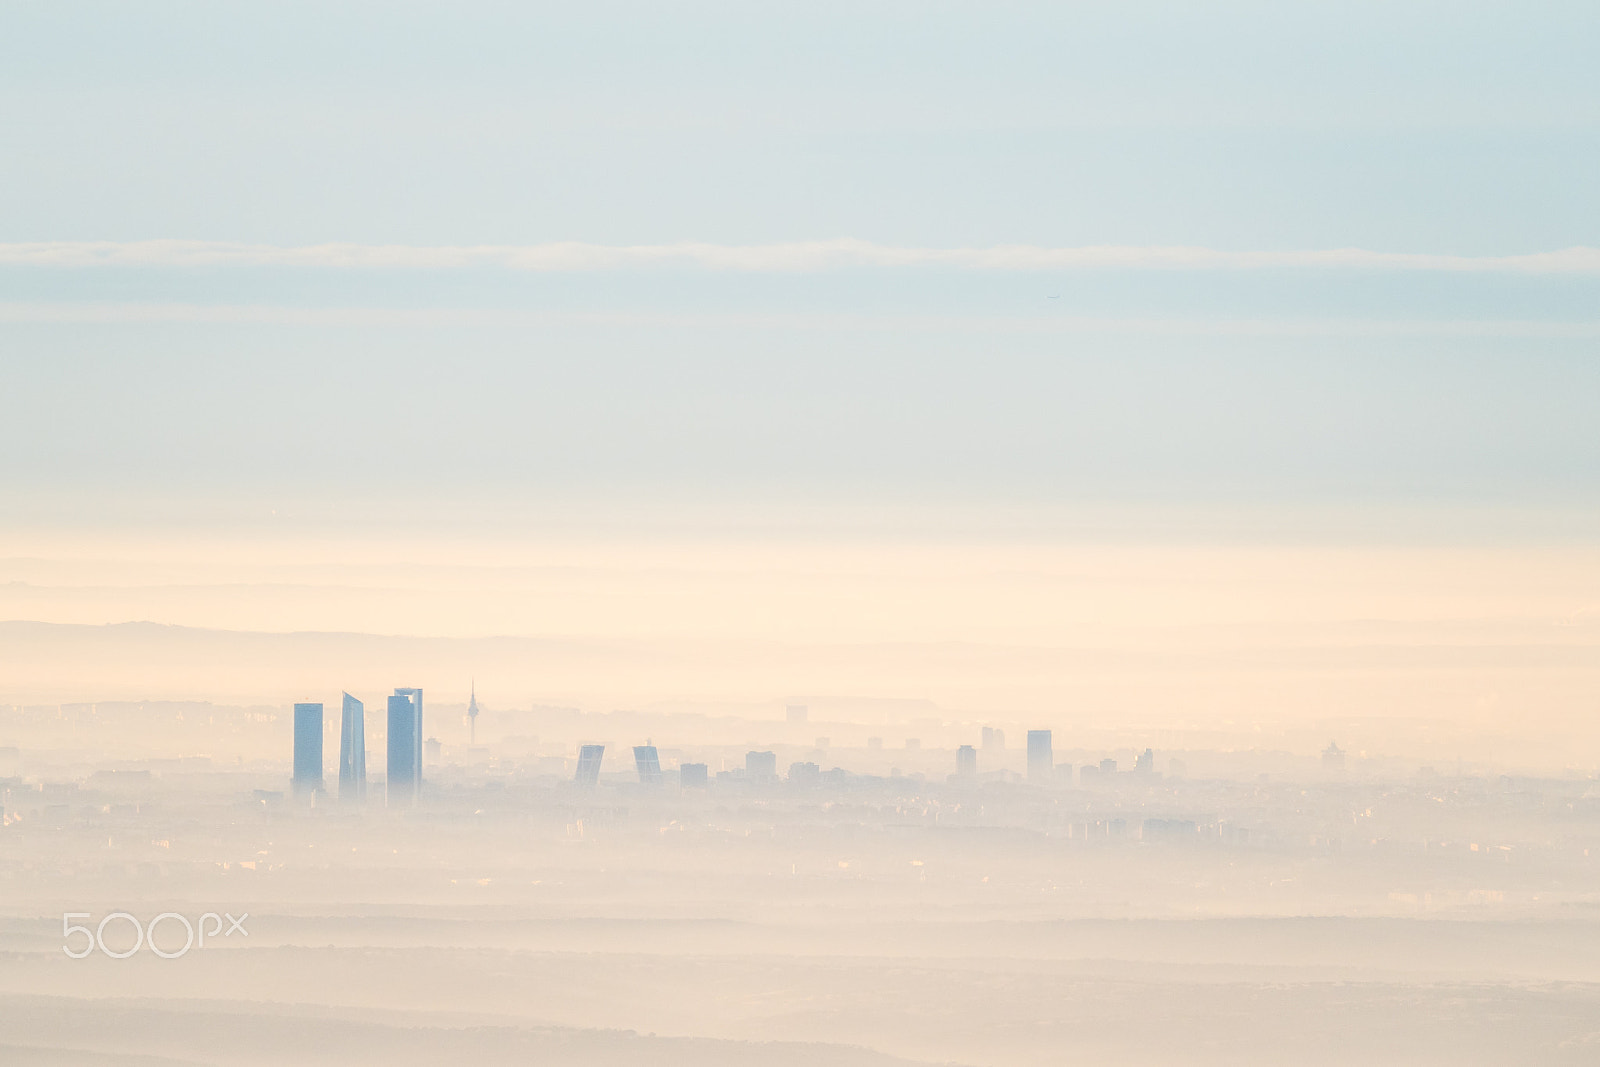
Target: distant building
{"type": "Point", "coordinates": [307, 748]}
{"type": "Point", "coordinates": [1064, 773]}
{"type": "Point", "coordinates": [1041, 759]}
{"type": "Point", "coordinates": [1333, 758]}
{"type": "Point", "coordinates": [472, 714]}
{"type": "Point", "coordinates": [875, 743]}
{"type": "Point", "coordinates": [589, 757]}
{"type": "Point", "coordinates": [433, 748]}
{"type": "Point", "coordinates": [405, 752]}
{"type": "Point", "coordinates": [913, 744]}
{"type": "Point", "coordinates": [416, 734]}
{"type": "Point", "coordinates": [1108, 766]}
{"type": "Point", "coordinates": [762, 766]}
{"type": "Point", "coordinates": [823, 743]}
{"type": "Point", "coordinates": [693, 775]}
{"type": "Point", "coordinates": [804, 773]}
{"type": "Point", "coordinates": [648, 764]}
{"type": "Point", "coordinates": [796, 713]}
{"type": "Point", "coordinates": [353, 750]}
{"type": "Point", "coordinates": [1146, 763]}
{"type": "Point", "coordinates": [993, 740]}
{"type": "Point", "coordinates": [966, 762]}
{"type": "Point", "coordinates": [1177, 831]}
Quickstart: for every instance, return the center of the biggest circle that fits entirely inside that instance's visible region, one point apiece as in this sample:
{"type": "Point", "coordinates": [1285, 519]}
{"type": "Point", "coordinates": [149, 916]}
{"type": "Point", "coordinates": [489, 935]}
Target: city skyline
{"type": "Point", "coordinates": [759, 766]}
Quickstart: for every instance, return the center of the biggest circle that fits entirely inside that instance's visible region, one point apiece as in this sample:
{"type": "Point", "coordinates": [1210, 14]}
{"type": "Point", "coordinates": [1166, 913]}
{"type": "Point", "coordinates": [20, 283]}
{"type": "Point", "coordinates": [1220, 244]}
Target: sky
{"type": "Point", "coordinates": [949, 256]}
{"type": "Point", "coordinates": [1419, 127]}
{"type": "Point", "coordinates": [291, 293]}
{"type": "Point", "coordinates": [947, 253]}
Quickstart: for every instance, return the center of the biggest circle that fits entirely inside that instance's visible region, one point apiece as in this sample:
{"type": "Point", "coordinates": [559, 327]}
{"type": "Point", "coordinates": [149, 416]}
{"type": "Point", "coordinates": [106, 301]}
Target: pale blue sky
{"type": "Point", "coordinates": [1429, 128]}
{"type": "Point", "coordinates": [1419, 126]}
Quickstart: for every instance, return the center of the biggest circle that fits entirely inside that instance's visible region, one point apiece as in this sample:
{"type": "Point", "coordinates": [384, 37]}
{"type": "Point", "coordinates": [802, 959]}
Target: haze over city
{"type": "Point", "coordinates": [869, 534]}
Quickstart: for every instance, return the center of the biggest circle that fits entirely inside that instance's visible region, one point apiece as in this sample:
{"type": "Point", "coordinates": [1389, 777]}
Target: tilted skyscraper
{"type": "Point", "coordinates": [353, 750]}
{"type": "Point", "coordinates": [589, 757]}
{"type": "Point", "coordinates": [307, 748]}
{"type": "Point", "coordinates": [404, 753]}
{"type": "Point", "coordinates": [648, 762]}
{"type": "Point", "coordinates": [416, 703]}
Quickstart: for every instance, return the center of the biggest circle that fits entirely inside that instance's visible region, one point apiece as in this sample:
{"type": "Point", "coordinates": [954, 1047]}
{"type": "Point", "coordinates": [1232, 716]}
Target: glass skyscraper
{"type": "Point", "coordinates": [589, 757]}
{"type": "Point", "coordinates": [307, 748]}
{"type": "Point", "coordinates": [405, 755]}
{"type": "Point", "coordinates": [416, 731]}
{"type": "Point", "coordinates": [649, 763]}
{"type": "Point", "coordinates": [353, 750]}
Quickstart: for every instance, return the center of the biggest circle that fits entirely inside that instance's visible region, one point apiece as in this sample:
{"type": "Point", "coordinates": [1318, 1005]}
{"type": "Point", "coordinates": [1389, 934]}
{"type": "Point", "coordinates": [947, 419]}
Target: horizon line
{"type": "Point", "coordinates": [141, 313]}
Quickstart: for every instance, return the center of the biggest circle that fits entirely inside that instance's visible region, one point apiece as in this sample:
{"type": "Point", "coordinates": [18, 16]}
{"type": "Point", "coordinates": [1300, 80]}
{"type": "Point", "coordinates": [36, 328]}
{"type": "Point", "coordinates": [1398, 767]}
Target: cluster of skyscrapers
{"type": "Point", "coordinates": [405, 750]}
{"type": "Point", "coordinates": [763, 766]}
{"type": "Point", "coordinates": [404, 773]}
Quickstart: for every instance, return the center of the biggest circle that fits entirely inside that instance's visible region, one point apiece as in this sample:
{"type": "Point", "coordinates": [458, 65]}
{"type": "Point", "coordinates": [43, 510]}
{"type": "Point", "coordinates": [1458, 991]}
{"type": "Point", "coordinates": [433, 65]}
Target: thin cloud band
{"type": "Point", "coordinates": [802, 256]}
